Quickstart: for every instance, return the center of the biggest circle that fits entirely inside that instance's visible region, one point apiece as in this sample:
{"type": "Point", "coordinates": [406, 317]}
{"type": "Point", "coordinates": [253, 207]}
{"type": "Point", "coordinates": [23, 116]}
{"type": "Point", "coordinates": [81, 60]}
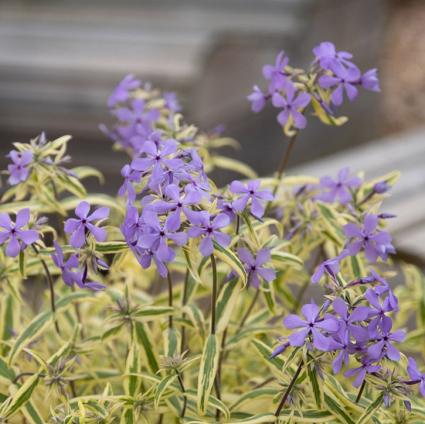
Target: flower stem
{"type": "Point", "coordinates": [359, 395]}
{"type": "Point", "coordinates": [180, 379]}
{"type": "Point", "coordinates": [250, 308]}
{"type": "Point", "coordinates": [51, 289]}
{"type": "Point", "coordinates": [289, 389]}
{"type": "Point", "coordinates": [170, 298]}
{"type": "Point", "coordinates": [184, 300]}
{"type": "Point", "coordinates": [213, 293]}
{"type": "Point", "coordinates": [284, 161]}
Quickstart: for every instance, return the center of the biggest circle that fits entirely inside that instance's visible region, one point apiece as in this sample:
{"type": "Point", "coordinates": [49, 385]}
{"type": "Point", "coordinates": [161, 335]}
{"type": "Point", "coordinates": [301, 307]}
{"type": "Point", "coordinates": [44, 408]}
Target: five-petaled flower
{"type": "Point", "coordinates": [208, 228]}
{"type": "Point", "coordinates": [416, 375]}
{"type": "Point", "coordinates": [19, 169]}
{"type": "Point", "coordinates": [312, 326]}
{"type": "Point", "coordinates": [79, 228]}
{"type": "Point", "coordinates": [254, 265]}
{"type": "Point", "coordinates": [250, 191]}
{"type": "Point", "coordinates": [374, 242]}
{"type": "Point", "coordinates": [18, 238]}
{"type": "Point", "coordinates": [291, 106]}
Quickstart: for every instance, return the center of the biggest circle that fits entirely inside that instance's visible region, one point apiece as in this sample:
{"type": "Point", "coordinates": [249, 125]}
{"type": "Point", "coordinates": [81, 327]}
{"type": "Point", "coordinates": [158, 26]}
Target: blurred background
{"type": "Point", "coordinates": [59, 61]}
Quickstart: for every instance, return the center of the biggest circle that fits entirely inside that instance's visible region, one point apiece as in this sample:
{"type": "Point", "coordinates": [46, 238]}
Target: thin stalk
{"type": "Point", "coordinates": [170, 299]}
{"type": "Point", "coordinates": [284, 161]}
{"type": "Point", "coordinates": [250, 308]}
{"type": "Point", "coordinates": [217, 381]}
{"type": "Point", "coordinates": [184, 300]}
{"type": "Point", "coordinates": [289, 389]}
{"type": "Point", "coordinates": [213, 293]}
{"type": "Point", "coordinates": [180, 379]}
{"type": "Point", "coordinates": [51, 289]}
{"type": "Point", "coordinates": [359, 395]}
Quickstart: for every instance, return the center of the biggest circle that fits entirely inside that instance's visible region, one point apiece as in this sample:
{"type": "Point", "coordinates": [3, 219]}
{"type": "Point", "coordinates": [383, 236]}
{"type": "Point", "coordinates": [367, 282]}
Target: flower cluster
{"type": "Point", "coordinates": [292, 90]}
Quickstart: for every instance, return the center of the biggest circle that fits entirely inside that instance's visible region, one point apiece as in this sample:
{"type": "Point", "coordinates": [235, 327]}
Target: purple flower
{"type": "Point", "coordinates": [328, 57]}
{"type": "Point", "coordinates": [208, 227]}
{"type": "Point", "coordinates": [156, 236]}
{"type": "Point", "coordinates": [344, 79]}
{"type": "Point", "coordinates": [416, 375]}
{"type": "Point", "coordinates": [347, 319]}
{"type": "Point", "coordinates": [291, 106]}
{"type": "Point", "coordinates": [172, 102]}
{"type": "Point", "coordinates": [20, 168]}
{"type": "Point", "coordinates": [69, 276]}
{"type": "Point", "coordinates": [338, 189]}
{"type": "Point", "coordinates": [130, 176]}
{"type": "Point", "coordinates": [377, 311]}
{"type": "Point", "coordinates": [176, 203]}
{"type": "Point", "coordinates": [375, 243]}
{"type": "Point", "coordinates": [78, 228]}
{"type": "Point", "coordinates": [257, 99]}
{"type": "Point", "coordinates": [279, 349]}
{"type": "Point", "coordinates": [383, 346]}
{"type": "Point", "coordinates": [248, 192]}
{"type": "Point", "coordinates": [17, 238]}
{"type": "Point", "coordinates": [312, 326]}
{"type": "Point", "coordinates": [330, 267]}
{"type": "Point", "coordinates": [369, 80]}
{"type": "Point", "coordinates": [122, 91]}
{"type": "Point", "coordinates": [275, 73]}
{"type": "Point", "coordinates": [341, 342]}
{"type": "Point", "coordinates": [365, 368]}
{"type": "Point", "coordinates": [254, 265]}
{"type": "Point", "coordinates": [157, 157]}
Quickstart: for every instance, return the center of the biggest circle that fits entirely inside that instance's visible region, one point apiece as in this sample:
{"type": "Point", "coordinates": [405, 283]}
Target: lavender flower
{"type": "Point", "coordinates": [369, 80]}
{"type": "Point", "coordinates": [208, 227]}
{"type": "Point", "coordinates": [257, 99]}
{"type": "Point", "coordinates": [19, 169]}
{"type": "Point", "coordinates": [18, 238]}
{"type": "Point", "coordinates": [78, 228]}
{"type": "Point", "coordinates": [327, 56]}
{"type": "Point", "coordinates": [254, 265]}
{"type": "Point", "coordinates": [365, 368]}
{"type": "Point", "coordinates": [122, 91]}
{"type": "Point", "coordinates": [375, 243]}
{"type": "Point", "coordinates": [291, 106]}
{"type": "Point", "coordinates": [275, 73]}
{"type": "Point", "coordinates": [347, 319]}
{"type": "Point", "coordinates": [338, 189]}
{"type": "Point", "coordinates": [344, 79]}
{"type": "Point", "coordinates": [329, 266]}
{"type": "Point", "coordinates": [156, 236]}
{"type": "Point", "coordinates": [311, 326]}
{"type": "Point", "coordinates": [250, 192]}
{"type": "Point", "coordinates": [68, 275]}
{"type": "Point", "coordinates": [416, 375]}
{"type": "Point", "coordinates": [383, 345]}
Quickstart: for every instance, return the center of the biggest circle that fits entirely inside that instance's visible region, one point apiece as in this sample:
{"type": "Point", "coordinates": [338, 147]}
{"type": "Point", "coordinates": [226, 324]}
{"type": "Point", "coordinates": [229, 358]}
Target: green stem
{"type": "Point", "coordinates": [284, 161]}
{"type": "Point", "coordinates": [213, 293]}
{"type": "Point", "coordinates": [184, 300]}
{"type": "Point", "coordinates": [289, 389]}
{"type": "Point", "coordinates": [250, 308]}
{"type": "Point", "coordinates": [359, 395]}
{"type": "Point", "coordinates": [51, 289]}
{"type": "Point", "coordinates": [179, 377]}
{"type": "Point", "coordinates": [170, 299]}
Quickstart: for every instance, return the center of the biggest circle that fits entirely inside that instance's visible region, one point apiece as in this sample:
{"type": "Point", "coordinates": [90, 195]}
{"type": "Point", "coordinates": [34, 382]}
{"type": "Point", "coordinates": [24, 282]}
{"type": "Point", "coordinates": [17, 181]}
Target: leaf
{"type": "Point", "coordinates": [144, 340]}
{"type": "Point", "coordinates": [372, 408]}
{"type": "Point", "coordinates": [255, 394]}
{"type": "Point", "coordinates": [227, 256]}
{"type": "Point", "coordinates": [196, 317]}
{"type": "Point", "coordinates": [152, 311]}
{"type": "Point", "coordinates": [41, 321]}
{"type": "Point", "coordinates": [226, 303]}
{"type": "Point", "coordinates": [111, 247]}
{"type": "Point", "coordinates": [32, 414]}
{"type": "Point", "coordinates": [171, 342]}
{"type": "Point", "coordinates": [22, 263]}
{"type": "Point", "coordinates": [333, 406]}
{"type": "Point", "coordinates": [163, 385]}
{"type": "Point", "coordinates": [269, 297]}
{"type": "Point", "coordinates": [207, 372]}
{"type": "Point", "coordinates": [325, 117]}
{"type": "Point", "coordinates": [317, 390]}
{"type": "Point", "coordinates": [234, 165]}
{"type": "Point", "coordinates": [133, 367]}
{"type": "Point", "coordinates": [87, 171]}
{"type": "Point", "coordinates": [6, 321]}
{"type": "Point", "coordinates": [265, 352]}
{"type": "Point", "coordinates": [20, 397]}
{"type": "Point", "coordinates": [285, 258]}
{"type": "Point", "coordinates": [5, 371]}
